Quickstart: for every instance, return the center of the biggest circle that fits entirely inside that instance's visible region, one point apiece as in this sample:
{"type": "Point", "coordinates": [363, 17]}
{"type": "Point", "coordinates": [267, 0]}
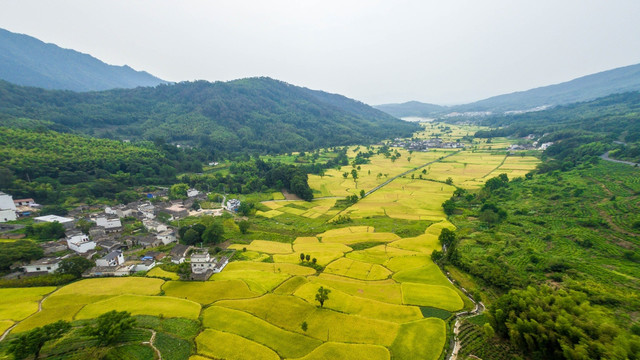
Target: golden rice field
{"type": "Point", "coordinates": [379, 170]}
{"type": "Point", "coordinates": [405, 198]}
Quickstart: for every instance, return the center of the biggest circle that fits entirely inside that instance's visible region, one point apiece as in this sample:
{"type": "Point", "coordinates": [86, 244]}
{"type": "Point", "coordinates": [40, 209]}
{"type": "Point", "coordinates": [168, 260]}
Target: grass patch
{"type": "Point", "coordinates": [158, 272]}
{"type": "Point", "coordinates": [431, 295]}
{"type": "Point", "coordinates": [429, 312]}
{"type": "Point", "coordinates": [172, 348]}
{"type": "Point", "coordinates": [334, 350]}
{"type": "Point", "coordinates": [19, 303]}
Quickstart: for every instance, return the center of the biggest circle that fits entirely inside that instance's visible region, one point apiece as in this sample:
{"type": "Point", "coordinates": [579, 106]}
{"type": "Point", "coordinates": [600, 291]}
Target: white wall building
{"type": "Point", "coordinates": [154, 226]}
{"type": "Point", "coordinates": [49, 265]}
{"type": "Point", "coordinates": [67, 222]}
{"type": "Point", "coordinates": [113, 258]}
{"type": "Point", "coordinates": [80, 243]}
{"type": "Point", "coordinates": [7, 208]}
{"type": "Point", "coordinates": [167, 237]}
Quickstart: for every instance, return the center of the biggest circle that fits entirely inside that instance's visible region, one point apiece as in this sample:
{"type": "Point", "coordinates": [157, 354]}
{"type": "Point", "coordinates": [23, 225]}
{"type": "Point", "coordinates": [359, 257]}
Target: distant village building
{"type": "Point", "coordinates": [65, 221]}
{"type": "Point", "coordinates": [167, 237]}
{"type": "Point", "coordinates": [7, 208]}
{"type": "Point", "coordinates": [51, 247]}
{"type": "Point", "coordinates": [154, 226]}
{"type": "Point", "coordinates": [147, 210]}
{"type": "Point", "coordinates": [177, 210]}
{"type": "Point", "coordinates": [109, 224]}
{"type": "Point", "coordinates": [202, 263]}
{"type": "Point", "coordinates": [233, 205]}
{"type": "Point", "coordinates": [145, 265]}
{"type": "Point", "coordinates": [25, 207]}
{"type": "Point", "coordinates": [80, 243]}
{"type": "Point", "coordinates": [179, 253]}
{"type": "Point", "coordinates": [192, 193]}
{"type": "Point", "coordinates": [47, 264]}
{"type": "Point", "coordinates": [113, 258]}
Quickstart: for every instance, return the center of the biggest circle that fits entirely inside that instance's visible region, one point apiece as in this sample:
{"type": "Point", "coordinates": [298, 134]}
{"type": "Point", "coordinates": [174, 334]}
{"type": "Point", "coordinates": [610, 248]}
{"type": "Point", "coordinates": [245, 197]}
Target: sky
{"type": "Point", "coordinates": [444, 52]}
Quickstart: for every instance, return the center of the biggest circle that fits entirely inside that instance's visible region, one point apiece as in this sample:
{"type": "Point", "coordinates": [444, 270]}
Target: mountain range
{"type": "Point", "coordinates": [259, 115]}
{"type": "Point", "coordinates": [25, 60]}
{"type": "Point", "coordinates": [619, 80]}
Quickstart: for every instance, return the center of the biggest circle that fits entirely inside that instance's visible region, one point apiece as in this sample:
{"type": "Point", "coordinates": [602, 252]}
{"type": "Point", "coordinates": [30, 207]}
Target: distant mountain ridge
{"type": "Point", "coordinates": [585, 88]}
{"type": "Point", "coordinates": [255, 115]}
{"type": "Point", "coordinates": [25, 60]}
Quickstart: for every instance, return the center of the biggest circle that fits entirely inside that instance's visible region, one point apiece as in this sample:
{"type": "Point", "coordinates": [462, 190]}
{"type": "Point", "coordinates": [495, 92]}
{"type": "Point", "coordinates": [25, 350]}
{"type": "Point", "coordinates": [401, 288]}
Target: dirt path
{"type": "Point", "coordinates": [153, 346]}
{"type": "Point", "coordinates": [4, 335]}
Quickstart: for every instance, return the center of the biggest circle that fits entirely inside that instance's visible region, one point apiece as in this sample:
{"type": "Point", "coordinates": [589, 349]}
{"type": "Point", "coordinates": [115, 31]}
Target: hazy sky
{"type": "Point", "coordinates": [443, 51]}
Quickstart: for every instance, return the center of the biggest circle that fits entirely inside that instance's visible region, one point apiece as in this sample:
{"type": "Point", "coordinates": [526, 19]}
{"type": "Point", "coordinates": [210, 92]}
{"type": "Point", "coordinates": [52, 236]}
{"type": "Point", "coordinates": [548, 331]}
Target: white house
{"type": "Point", "coordinates": [167, 237]}
{"type": "Point", "coordinates": [154, 226]}
{"type": "Point", "coordinates": [145, 265]}
{"type": "Point", "coordinates": [7, 208]}
{"type": "Point", "coordinates": [233, 205]}
{"type": "Point", "coordinates": [49, 265]}
{"type": "Point", "coordinates": [201, 263]}
{"type": "Point", "coordinates": [113, 258]}
{"type": "Point", "coordinates": [67, 222]}
{"type": "Point", "coordinates": [80, 243]}
{"type": "Point", "coordinates": [109, 225]}
{"type": "Point", "coordinates": [193, 193]}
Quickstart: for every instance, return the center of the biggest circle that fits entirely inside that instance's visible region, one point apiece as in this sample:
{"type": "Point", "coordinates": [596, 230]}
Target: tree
{"type": "Point", "coordinates": [75, 266]}
{"type": "Point", "coordinates": [191, 237]}
{"type": "Point", "coordinates": [184, 270]}
{"type": "Point", "coordinates": [449, 207]}
{"type": "Point", "coordinates": [447, 237]}
{"type": "Point", "coordinates": [32, 341]}
{"type": "Point", "coordinates": [314, 260]}
{"type": "Point", "coordinates": [213, 234]}
{"type": "Point", "coordinates": [362, 193]}
{"type": "Point", "coordinates": [178, 191]}
{"type": "Point", "coordinates": [489, 333]}
{"type": "Point", "coordinates": [345, 175]}
{"type": "Point", "coordinates": [322, 295]}
{"type": "Point", "coordinates": [301, 256]}
{"type": "Point", "coordinates": [244, 226]}
{"type": "Point", "coordinates": [307, 257]}
{"type": "Point", "coordinates": [109, 326]}
{"type": "Point", "coordinates": [354, 174]}
{"type": "Point", "coordinates": [245, 208]}
{"type": "Point", "coordinates": [449, 181]}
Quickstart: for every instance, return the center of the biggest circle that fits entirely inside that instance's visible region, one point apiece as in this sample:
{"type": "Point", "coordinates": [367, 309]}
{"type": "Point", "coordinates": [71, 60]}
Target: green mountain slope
{"type": "Point", "coordinates": [28, 61]}
{"type": "Point", "coordinates": [248, 115]}
{"type": "Point", "coordinates": [412, 108]}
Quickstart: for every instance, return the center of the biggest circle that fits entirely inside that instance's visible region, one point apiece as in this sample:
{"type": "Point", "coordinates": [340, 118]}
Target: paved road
{"type": "Point", "coordinates": [605, 156]}
{"type": "Point", "coordinates": [408, 172]}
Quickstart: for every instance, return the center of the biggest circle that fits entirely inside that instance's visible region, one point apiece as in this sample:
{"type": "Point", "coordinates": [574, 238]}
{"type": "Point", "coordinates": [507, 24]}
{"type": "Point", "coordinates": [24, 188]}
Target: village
{"type": "Point", "coordinates": [425, 145]}
{"type": "Point", "coordinates": [114, 251]}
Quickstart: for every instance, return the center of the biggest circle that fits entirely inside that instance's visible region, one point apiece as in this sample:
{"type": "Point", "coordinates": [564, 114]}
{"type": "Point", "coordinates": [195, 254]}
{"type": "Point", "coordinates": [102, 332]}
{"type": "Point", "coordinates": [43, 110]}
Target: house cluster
{"type": "Point", "coordinates": [536, 145]}
{"type": "Point", "coordinates": [106, 242]}
{"type": "Point", "coordinates": [12, 209]}
{"type": "Point", "coordinates": [425, 145]}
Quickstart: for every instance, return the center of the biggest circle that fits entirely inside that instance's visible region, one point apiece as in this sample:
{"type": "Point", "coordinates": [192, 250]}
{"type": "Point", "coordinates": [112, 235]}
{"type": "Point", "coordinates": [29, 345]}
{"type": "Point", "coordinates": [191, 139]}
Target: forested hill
{"type": "Point", "coordinates": [580, 131]}
{"type": "Point", "coordinates": [586, 88]}
{"type": "Point", "coordinates": [28, 61]}
{"type": "Point", "coordinates": [412, 108]}
{"type": "Point", "coordinates": [619, 80]}
{"type": "Point", "coordinates": [248, 115]}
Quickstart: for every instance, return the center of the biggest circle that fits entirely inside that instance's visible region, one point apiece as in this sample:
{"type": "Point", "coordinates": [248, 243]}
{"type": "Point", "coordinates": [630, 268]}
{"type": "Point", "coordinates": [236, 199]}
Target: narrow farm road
{"type": "Point", "coordinates": [153, 346]}
{"type": "Point", "coordinates": [606, 157]}
{"type": "Point", "coordinates": [4, 335]}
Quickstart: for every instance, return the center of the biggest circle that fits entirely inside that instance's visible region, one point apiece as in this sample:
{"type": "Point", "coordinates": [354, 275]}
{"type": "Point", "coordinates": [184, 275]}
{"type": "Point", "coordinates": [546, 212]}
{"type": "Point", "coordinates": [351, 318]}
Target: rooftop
{"type": "Point", "coordinates": [53, 218]}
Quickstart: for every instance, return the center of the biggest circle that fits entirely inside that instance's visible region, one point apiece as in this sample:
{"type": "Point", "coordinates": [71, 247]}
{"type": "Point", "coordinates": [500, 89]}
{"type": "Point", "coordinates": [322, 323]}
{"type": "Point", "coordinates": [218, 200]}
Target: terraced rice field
{"type": "Point", "coordinates": [268, 309]}
{"type": "Point", "coordinates": [467, 169]}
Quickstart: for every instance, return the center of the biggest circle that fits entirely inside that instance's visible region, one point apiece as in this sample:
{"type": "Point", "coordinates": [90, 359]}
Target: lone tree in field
{"type": "Point", "coordinates": [301, 256]}
{"type": "Point", "coordinates": [322, 295]}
